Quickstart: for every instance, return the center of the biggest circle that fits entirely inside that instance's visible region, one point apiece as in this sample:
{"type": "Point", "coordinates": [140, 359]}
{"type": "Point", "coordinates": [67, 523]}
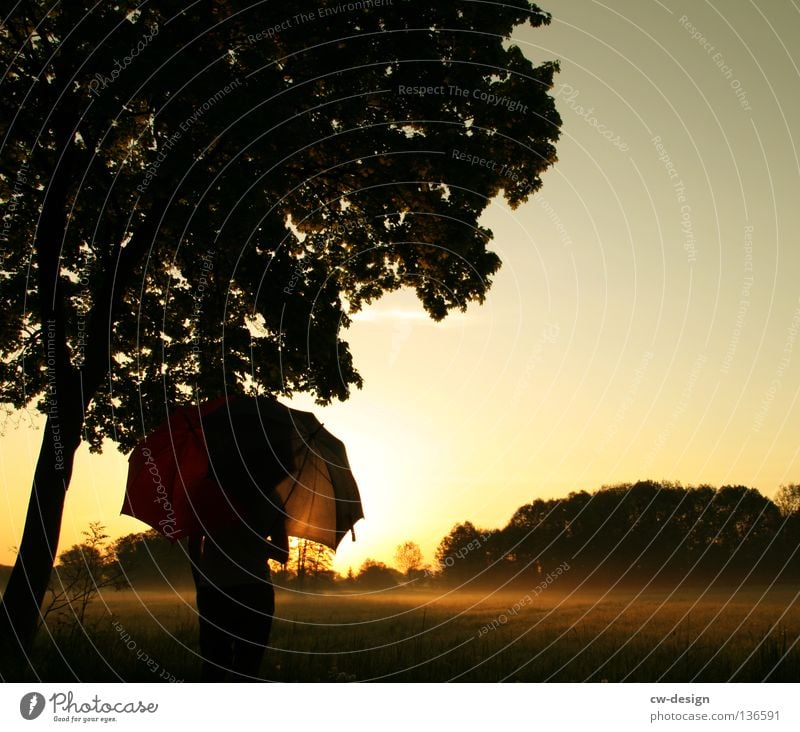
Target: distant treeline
{"type": "Point", "coordinates": [635, 533]}
{"type": "Point", "coordinates": [631, 533]}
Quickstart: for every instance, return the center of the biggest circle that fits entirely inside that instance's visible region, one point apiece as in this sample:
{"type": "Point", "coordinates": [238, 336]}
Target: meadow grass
{"type": "Point", "coordinates": [441, 635]}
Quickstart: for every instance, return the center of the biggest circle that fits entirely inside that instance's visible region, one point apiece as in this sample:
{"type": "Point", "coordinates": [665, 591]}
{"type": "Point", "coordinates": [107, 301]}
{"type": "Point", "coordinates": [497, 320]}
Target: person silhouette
{"type": "Point", "coordinates": [235, 596]}
{"type": "Point", "coordinates": [251, 452]}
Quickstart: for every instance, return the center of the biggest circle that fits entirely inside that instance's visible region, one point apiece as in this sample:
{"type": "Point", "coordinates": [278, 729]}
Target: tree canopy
{"type": "Point", "coordinates": [640, 532]}
{"type": "Point", "coordinates": [197, 200]}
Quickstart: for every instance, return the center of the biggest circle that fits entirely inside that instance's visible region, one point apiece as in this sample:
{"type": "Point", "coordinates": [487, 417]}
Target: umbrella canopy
{"type": "Point", "coordinates": [234, 460]}
{"type": "Point", "coordinates": [168, 484]}
{"type": "Point", "coordinates": [255, 444]}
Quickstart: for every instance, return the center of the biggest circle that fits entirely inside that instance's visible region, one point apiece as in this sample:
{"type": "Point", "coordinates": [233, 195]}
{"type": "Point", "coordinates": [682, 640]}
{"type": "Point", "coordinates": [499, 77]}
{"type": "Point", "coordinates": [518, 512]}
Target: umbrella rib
{"type": "Point", "coordinates": [299, 472]}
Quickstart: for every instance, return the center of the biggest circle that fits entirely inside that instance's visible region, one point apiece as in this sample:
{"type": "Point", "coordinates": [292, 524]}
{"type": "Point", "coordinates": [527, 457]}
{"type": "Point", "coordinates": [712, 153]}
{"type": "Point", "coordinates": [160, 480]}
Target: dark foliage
{"type": "Point", "coordinates": [641, 532]}
{"type": "Point", "coordinates": [196, 200]}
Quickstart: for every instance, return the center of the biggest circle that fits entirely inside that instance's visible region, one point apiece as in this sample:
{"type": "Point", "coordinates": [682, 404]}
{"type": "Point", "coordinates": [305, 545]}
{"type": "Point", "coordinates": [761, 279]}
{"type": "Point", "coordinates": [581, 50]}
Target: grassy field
{"type": "Point", "coordinates": [718, 635]}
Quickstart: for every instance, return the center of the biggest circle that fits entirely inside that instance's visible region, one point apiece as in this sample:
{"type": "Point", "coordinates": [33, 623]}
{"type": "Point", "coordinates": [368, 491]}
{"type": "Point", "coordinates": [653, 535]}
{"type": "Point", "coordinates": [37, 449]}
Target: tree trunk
{"type": "Point", "coordinates": [69, 393]}
{"type": "Point", "coordinates": [20, 608]}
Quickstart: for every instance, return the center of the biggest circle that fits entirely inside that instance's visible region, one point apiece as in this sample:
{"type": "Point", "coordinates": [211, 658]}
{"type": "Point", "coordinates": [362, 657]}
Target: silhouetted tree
{"type": "Point", "coordinates": [463, 554]}
{"type": "Point", "coordinates": [640, 532]}
{"type": "Point", "coordinates": [786, 554]}
{"type": "Point", "coordinates": [747, 522]}
{"type": "Point", "coordinates": [193, 204]}
{"type": "Point", "coordinates": [319, 564]}
{"type": "Point", "coordinates": [787, 499]}
{"type": "Point", "coordinates": [374, 575]}
{"type": "Point", "coordinates": [147, 560]}
{"type": "Point", "coordinates": [82, 571]}
{"type": "Point", "coordinates": [310, 562]}
{"type": "Point", "coordinates": [408, 557]}
{"type": "Point", "coordinates": [531, 534]}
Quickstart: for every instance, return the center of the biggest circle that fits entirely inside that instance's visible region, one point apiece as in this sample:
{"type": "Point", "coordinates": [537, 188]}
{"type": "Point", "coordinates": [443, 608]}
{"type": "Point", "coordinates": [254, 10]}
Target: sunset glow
{"type": "Point", "coordinates": [644, 323]}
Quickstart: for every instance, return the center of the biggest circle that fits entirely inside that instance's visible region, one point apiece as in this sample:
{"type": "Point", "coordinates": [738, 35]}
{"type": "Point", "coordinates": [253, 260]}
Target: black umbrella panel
{"type": "Point", "coordinates": [256, 445]}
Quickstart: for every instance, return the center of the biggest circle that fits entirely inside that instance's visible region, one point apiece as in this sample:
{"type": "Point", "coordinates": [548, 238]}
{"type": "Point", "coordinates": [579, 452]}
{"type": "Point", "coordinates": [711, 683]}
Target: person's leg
{"type": "Point", "coordinates": [254, 617]}
{"type": "Point", "coordinates": [216, 645]}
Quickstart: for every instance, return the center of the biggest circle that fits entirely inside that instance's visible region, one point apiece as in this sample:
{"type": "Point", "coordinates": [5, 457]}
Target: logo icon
{"type": "Point", "coordinates": [31, 705]}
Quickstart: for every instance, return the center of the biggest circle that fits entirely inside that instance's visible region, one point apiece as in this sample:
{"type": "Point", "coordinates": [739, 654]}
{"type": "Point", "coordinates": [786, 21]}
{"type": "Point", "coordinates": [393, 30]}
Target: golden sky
{"type": "Point", "coordinates": [646, 320]}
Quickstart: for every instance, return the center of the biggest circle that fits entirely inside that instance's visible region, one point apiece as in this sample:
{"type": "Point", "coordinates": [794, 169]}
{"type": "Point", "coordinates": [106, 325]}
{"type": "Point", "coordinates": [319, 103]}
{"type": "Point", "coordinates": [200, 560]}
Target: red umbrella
{"type": "Point", "coordinates": [168, 485]}
{"type": "Point", "coordinates": [252, 447]}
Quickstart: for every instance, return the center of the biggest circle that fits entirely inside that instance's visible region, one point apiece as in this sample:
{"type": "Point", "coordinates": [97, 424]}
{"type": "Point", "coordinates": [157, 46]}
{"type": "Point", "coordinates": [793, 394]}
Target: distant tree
{"type": "Point", "coordinates": [787, 499]}
{"type": "Point", "coordinates": [283, 575]}
{"type": "Point", "coordinates": [649, 530]}
{"type": "Point", "coordinates": [376, 575]}
{"type": "Point", "coordinates": [194, 206]}
{"type": "Point", "coordinates": [82, 571]}
{"type": "Point", "coordinates": [408, 557]}
{"type": "Point", "coordinates": [311, 563]}
{"type": "Point", "coordinates": [529, 536]}
{"type": "Point", "coordinates": [464, 553]}
{"type": "Point", "coordinates": [319, 564]}
{"type": "Point", "coordinates": [297, 558]}
{"type": "Point", "coordinates": [639, 545]}
{"type": "Point", "coordinates": [695, 522]}
{"type": "Point", "coordinates": [147, 560]}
